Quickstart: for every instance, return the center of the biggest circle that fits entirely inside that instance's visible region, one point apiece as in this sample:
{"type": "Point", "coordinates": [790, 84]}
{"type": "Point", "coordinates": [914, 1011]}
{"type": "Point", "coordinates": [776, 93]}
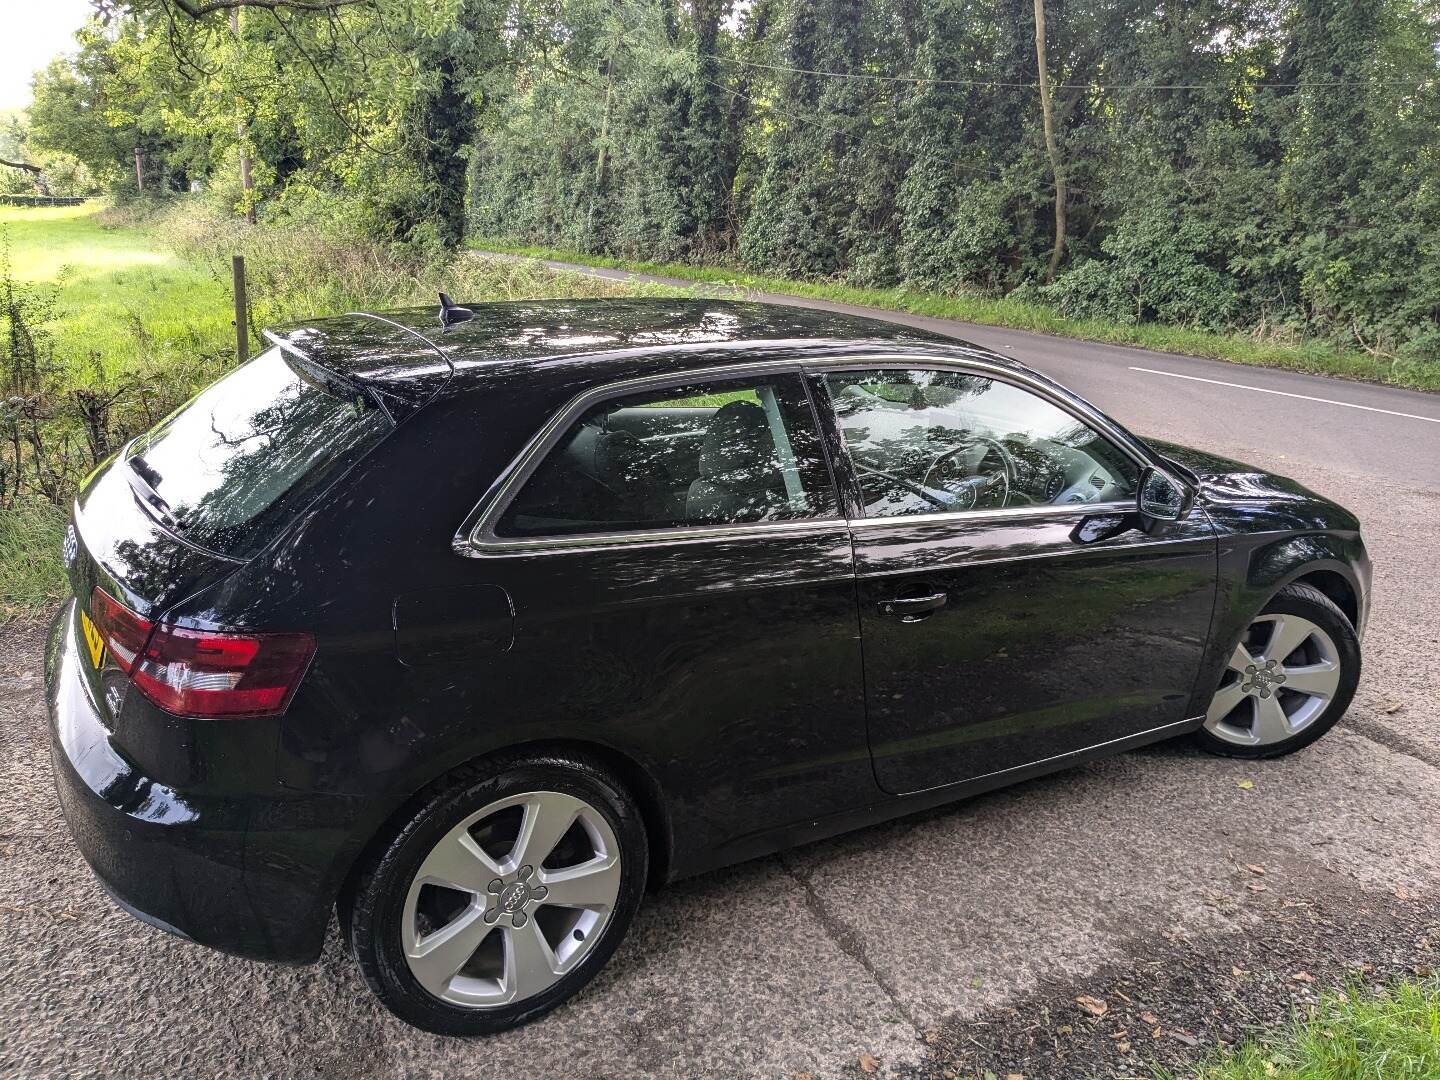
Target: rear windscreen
{"type": "Point", "coordinates": [234, 466]}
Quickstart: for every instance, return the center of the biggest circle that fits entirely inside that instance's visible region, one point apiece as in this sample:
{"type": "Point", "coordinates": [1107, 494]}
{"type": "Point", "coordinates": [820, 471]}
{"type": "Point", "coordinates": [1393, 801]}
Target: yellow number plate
{"type": "Point", "coordinates": [93, 641]}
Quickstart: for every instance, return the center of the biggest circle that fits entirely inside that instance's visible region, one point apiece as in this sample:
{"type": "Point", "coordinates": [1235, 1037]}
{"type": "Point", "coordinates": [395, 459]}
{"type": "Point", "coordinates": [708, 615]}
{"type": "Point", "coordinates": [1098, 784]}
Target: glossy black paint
{"type": "Point", "coordinates": [724, 677]}
{"type": "Point", "coordinates": [1045, 647]}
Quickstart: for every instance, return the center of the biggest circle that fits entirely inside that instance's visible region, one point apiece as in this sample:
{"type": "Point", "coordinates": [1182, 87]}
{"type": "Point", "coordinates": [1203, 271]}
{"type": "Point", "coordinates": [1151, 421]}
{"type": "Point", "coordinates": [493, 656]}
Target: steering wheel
{"type": "Point", "coordinates": [933, 498]}
{"type": "Point", "coordinates": [1005, 477]}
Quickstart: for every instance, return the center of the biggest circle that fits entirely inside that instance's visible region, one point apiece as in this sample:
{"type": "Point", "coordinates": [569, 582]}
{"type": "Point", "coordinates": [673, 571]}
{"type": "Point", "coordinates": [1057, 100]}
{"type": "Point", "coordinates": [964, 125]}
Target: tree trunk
{"type": "Point", "coordinates": [706, 134]}
{"type": "Point", "coordinates": [601, 154]}
{"type": "Point", "coordinates": [1047, 115]}
{"type": "Point", "coordinates": [247, 185]}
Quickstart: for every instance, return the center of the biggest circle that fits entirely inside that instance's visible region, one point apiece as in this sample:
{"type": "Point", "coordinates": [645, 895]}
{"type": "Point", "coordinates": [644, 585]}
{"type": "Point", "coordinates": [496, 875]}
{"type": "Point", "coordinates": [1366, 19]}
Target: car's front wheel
{"type": "Point", "coordinates": [1288, 680]}
{"type": "Point", "coordinates": [503, 894]}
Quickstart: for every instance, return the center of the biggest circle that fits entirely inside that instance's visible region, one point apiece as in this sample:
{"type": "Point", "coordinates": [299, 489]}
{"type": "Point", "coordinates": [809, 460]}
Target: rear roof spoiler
{"type": "Point", "coordinates": [324, 378]}
{"type": "Point", "coordinates": [396, 366]}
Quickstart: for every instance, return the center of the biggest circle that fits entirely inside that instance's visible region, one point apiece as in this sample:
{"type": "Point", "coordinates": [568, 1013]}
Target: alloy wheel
{"type": "Point", "coordinates": [511, 899]}
{"type": "Point", "coordinates": [1280, 678]}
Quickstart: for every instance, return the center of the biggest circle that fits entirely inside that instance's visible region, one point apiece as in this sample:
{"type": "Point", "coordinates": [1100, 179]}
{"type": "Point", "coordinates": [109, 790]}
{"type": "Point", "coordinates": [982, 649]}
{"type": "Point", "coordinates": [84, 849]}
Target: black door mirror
{"type": "Point", "coordinates": [1162, 497]}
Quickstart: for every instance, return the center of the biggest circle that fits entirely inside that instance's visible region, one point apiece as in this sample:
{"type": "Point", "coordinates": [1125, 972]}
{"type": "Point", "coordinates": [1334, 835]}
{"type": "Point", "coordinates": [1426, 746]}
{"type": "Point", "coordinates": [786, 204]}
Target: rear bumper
{"type": "Point", "coordinates": [251, 874]}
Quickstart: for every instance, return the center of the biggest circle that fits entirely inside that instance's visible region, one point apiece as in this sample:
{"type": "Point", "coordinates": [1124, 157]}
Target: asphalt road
{"type": "Point", "coordinates": [954, 941]}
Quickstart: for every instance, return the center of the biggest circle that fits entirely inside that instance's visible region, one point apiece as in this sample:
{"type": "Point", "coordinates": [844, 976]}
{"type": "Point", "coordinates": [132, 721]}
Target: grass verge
{"type": "Point", "coordinates": [1307, 356]}
{"type": "Point", "coordinates": [1390, 1034]}
{"type": "Point", "coordinates": [32, 575]}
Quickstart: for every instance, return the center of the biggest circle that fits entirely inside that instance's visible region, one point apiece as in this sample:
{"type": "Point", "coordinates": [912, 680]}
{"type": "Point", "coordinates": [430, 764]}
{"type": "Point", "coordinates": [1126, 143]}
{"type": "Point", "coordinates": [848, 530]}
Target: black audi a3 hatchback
{"type": "Point", "coordinates": [475, 628]}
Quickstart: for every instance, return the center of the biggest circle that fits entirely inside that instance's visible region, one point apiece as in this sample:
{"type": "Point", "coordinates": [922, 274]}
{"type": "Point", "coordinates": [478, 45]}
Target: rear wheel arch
{"type": "Point", "coordinates": [637, 781]}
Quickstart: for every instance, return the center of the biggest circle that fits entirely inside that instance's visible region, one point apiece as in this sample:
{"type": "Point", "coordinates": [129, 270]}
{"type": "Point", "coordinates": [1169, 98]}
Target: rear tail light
{"type": "Point", "coordinates": [125, 633]}
{"type": "Point", "coordinates": [209, 673]}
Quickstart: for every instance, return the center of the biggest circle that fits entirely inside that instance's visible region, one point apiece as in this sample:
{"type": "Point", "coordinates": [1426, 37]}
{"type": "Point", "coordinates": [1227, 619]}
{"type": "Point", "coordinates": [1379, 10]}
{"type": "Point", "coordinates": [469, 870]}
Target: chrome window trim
{"type": "Point", "coordinates": [1123, 506]}
{"type": "Point", "coordinates": [476, 537]}
{"type": "Point", "coordinates": [683, 534]}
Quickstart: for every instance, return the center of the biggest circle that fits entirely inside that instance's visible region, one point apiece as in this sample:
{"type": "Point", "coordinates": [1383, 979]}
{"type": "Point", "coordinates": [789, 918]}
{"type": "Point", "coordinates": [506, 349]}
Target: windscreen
{"type": "Point", "coordinates": [235, 465]}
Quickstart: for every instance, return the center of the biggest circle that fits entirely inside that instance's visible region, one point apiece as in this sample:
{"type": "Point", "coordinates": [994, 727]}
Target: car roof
{"type": "Point", "coordinates": [408, 355]}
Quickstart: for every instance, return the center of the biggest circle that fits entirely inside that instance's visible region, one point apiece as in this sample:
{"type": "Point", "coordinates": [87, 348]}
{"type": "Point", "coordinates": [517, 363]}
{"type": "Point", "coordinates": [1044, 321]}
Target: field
{"type": "Point", "coordinates": [121, 301]}
{"type": "Point", "coordinates": [125, 314]}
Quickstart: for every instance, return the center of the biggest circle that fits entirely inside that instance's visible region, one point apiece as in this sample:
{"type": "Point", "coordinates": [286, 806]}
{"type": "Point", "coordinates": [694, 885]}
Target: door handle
{"type": "Point", "coordinates": [912, 609]}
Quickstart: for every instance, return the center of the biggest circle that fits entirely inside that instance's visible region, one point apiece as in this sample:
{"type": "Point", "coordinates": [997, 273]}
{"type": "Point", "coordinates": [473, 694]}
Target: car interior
{"type": "Point", "coordinates": [922, 441]}
{"type": "Point", "coordinates": [928, 441]}
{"type": "Point", "coordinates": [721, 456]}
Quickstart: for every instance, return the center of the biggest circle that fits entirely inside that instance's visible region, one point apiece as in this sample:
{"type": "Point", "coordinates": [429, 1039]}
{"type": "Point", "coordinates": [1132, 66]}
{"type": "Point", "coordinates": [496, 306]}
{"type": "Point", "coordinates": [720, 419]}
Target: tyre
{"type": "Point", "coordinates": [500, 896]}
{"type": "Point", "coordinates": [1289, 678]}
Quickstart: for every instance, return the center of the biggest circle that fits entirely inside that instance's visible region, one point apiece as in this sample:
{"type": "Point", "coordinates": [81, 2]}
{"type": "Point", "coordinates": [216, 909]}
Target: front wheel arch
{"type": "Point", "coordinates": [1335, 585]}
{"type": "Point", "coordinates": [1250, 697]}
{"type": "Point", "coordinates": [1319, 560]}
{"type": "Point", "coordinates": [1238, 600]}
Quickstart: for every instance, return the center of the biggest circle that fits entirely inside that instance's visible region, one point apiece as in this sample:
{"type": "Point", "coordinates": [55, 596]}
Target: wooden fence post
{"type": "Point", "coordinates": [242, 324]}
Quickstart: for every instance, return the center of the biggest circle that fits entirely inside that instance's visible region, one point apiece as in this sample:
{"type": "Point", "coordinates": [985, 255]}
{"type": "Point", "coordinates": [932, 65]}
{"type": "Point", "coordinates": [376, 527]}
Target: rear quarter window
{"type": "Point", "coordinates": [731, 452]}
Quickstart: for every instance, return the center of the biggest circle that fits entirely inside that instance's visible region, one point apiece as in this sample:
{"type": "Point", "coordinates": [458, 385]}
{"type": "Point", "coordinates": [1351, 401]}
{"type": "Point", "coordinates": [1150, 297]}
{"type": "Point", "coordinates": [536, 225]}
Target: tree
{"type": "Point", "coordinates": [1052, 147]}
{"type": "Point", "coordinates": [72, 111]}
{"type": "Point", "coordinates": [1220, 163]}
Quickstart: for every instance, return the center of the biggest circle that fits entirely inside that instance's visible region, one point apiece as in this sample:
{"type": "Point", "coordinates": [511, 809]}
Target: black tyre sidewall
{"type": "Point", "coordinates": [1309, 603]}
{"type": "Point", "coordinates": [376, 909]}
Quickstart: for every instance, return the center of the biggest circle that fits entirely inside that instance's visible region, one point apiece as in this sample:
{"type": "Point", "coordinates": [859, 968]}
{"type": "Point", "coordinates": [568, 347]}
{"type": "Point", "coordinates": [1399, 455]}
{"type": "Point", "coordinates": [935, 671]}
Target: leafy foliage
{"type": "Point", "coordinates": [1268, 166]}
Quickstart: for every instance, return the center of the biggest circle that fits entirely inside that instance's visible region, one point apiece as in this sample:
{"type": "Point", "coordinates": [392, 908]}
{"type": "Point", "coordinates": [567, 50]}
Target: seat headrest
{"type": "Point", "coordinates": [619, 456]}
{"type": "Point", "coordinates": [738, 443]}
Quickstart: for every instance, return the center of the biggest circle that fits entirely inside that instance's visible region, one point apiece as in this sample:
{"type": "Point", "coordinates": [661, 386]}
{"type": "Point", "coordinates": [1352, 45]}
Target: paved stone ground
{"type": "Point", "coordinates": [949, 943]}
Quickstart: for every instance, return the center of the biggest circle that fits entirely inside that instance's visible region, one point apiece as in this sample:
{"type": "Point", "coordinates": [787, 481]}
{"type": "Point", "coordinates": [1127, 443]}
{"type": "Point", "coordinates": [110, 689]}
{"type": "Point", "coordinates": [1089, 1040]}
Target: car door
{"type": "Point", "coordinates": [682, 584]}
{"type": "Point", "coordinates": [1013, 607]}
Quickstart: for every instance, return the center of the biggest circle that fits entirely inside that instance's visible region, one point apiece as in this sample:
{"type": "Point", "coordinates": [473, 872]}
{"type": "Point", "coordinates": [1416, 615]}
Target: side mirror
{"type": "Point", "coordinates": [1162, 497]}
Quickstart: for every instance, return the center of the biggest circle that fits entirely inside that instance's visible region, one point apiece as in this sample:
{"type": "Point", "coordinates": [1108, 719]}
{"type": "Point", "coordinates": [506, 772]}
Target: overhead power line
{"type": "Point", "coordinates": [997, 84]}
{"type": "Point", "coordinates": [979, 170]}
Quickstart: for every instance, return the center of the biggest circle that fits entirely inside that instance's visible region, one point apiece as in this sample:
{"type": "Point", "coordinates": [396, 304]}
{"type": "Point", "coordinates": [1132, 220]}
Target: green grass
{"type": "Point", "coordinates": [1391, 1034]}
{"type": "Point", "coordinates": [1308, 356]}
{"type": "Point", "coordinates": [123, 302]}
{"type": "Point", "coordinates": [32, 575]}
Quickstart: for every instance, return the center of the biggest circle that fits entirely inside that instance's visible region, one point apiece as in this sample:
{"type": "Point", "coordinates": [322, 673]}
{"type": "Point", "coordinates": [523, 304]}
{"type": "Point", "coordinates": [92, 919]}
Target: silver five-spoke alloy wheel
{"type": "Point", "coordinates": [511, 899]}
{"type": "Point", "coordinates": [1279, 680]}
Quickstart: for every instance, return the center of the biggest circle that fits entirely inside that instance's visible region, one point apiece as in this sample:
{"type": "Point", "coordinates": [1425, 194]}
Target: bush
{"type": "Point", "coordinates": [951, 241]}
{"type": "Point", "coordinates": [1160, 265]}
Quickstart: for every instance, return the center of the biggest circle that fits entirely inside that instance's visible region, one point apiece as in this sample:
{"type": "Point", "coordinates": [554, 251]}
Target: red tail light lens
{"type": "Point", "coordinates": [209, 673]}
{"type": "Point", "coordinates": [205, 673]}
{"type": "Point", "coordinates": [123, 632]}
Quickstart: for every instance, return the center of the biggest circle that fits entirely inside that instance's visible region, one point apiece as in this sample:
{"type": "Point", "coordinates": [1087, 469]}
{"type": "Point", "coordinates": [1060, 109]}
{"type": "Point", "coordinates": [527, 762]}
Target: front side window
{"type": "Point", "coordinates": [709, 454]}
{"type": "Point", "coordinates": [925, 442]}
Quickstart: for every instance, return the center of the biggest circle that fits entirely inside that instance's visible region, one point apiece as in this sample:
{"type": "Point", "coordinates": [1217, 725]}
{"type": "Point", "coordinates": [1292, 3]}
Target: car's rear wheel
{"type": "Point", "coordinates": [503, 894]}
{"type": "Point", "coordinates": [1288, 680]}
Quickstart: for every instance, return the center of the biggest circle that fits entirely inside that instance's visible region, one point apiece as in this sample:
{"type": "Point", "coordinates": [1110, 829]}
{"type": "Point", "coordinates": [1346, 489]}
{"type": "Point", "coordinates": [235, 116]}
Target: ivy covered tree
{"type": "Point", "coordinates": [1266, 165]}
